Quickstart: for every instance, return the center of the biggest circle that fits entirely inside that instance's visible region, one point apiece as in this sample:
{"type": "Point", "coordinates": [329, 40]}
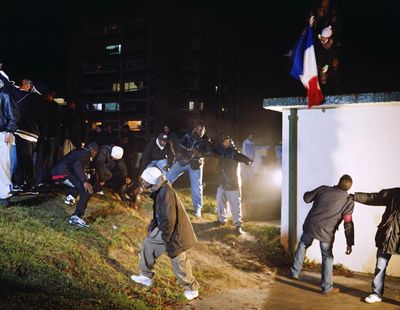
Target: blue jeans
{"type": "Point", "coordinates": [327, 261]}
{"type": "Point", "coordinates": [378, 283]}
{"type": "Point", "coordinates": [159, 164]}
{"type": "Point", "coordinates": [196, 181]}
{"type": "Point", "coordinates": [13, 158]}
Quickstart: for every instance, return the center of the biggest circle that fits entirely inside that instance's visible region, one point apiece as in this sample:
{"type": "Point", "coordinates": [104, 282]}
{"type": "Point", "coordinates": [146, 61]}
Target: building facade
{"type": "Point", "coordinates": [348, 134]}
{"type": "Point", "coordinates": [157, 66]}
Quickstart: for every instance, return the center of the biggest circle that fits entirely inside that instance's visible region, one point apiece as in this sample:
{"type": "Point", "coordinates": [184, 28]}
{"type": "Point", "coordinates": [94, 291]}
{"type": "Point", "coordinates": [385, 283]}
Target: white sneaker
{"type": "Point", "coordinates": [142, 280]}
{"type": "Point", "coordinates": [101, 193]}
{"type": "Point", "coordinates": [372, 298]}
{"type": "Point", "coordinates": [77, 221]}
{"type": "Point", "coordinates": [197, 213]}
{"type": "Point", "coordinates": [190, 295]}
{"type": "Point", "coordinates": [70, 200]}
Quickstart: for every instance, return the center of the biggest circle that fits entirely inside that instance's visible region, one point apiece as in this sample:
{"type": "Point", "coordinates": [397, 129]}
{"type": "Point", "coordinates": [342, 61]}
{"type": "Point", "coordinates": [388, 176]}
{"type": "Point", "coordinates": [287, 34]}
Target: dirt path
{"type": "Point", "coordinates": [235, 278]}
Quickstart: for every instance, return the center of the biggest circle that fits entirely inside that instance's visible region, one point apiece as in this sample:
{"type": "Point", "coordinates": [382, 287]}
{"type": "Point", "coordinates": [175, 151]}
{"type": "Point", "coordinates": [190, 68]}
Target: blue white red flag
{"type": "Point", "coordinates": [305, 67]}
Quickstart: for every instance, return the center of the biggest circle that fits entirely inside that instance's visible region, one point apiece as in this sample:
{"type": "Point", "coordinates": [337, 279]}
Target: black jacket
{"type": "Point", "coordinates": [153, 152]}
{"type": "Point", "coordinates": [330, 204]}
{"type": "Point", "coordinates": [75, 163]}
{"type": "Point", "coordinates": [33, 121]}
{"type": "Point", "coordinates": [73, 126]}
{"type": "Point", "coordinates": [185, 147]}
{"type": "Point", "coordinates": [387, 236]}
{"type": "Point", "coordinates": [104, 162]}
{"type": "Point", "coordinates": [54, 120]}
{"type": "Point", "coordinates": [170, 217]}
{"type": "Point", "coordinates": [228, 163]}
{"type": "Point", "coordinates": [9, 112]}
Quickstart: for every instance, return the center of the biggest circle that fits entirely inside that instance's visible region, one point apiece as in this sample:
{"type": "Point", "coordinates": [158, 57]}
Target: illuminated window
{"type": "Point", "coordinates": [114, 49]}
{"type": "Point", "coordinates": [116, 87]}
{"type": "Point", "coordinates": [201, 107]}
{"type": "Point", "coordinates": [95, 124]}
{"type": "Point", "coordinates": [191, 105]}
{"type": "Point", "coordinates": [130, 86]}
{"type": "Point", "coordinates": [134, 125]}
{"type": "Point", "coordinates": [216, 89]}
{"type": "Point", "coordinates": [111, 106]}
{"type": "Point", "coordinates": [97, 106]}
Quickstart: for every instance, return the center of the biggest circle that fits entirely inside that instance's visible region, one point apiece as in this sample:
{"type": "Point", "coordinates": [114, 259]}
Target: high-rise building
{"type": "Point", "coordinates": [161, 66]}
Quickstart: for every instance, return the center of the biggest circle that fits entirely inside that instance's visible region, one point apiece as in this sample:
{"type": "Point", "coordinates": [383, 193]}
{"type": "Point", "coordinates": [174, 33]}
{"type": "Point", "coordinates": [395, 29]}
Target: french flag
{"type": "Point", "coordinates": [305, 67]}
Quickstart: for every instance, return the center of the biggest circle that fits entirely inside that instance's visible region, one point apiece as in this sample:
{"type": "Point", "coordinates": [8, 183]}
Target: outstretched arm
{"type": "Point", "coordinates": [372, 199]}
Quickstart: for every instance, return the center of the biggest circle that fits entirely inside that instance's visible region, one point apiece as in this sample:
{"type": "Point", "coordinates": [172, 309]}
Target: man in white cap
{"type": "Point", "coordinates": [111, 167]}
{"type": "Point", "coordinates": [170, 231]}
{"type": "Point", "coordinates": [326, 52]}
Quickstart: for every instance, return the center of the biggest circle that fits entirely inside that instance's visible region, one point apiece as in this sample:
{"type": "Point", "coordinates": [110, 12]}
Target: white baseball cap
{"type": "Point", "coordinates": [326, 32]}
{"type": "Point", "coordinates": [151, 175]}
{"type": "Point", "coordinates": [117, 152]}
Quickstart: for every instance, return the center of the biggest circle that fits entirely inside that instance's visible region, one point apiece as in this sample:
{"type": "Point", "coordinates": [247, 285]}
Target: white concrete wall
{"type": "Point", "coordinates": [358, 140]}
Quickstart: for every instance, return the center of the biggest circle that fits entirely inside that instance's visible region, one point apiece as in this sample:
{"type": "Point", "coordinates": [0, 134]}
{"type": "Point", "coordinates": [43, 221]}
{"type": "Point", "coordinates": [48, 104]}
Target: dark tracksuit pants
{"type": "Point", "coordinates": [25, 169]}
{"type": "Point", "coordinates": [80, 190]}
{"type": "Point", "coordinates": [46, 157]}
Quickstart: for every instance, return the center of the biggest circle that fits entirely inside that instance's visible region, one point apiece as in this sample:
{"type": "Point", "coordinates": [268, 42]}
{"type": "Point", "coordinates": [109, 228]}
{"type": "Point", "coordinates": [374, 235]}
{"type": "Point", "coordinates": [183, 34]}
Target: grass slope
{"type": "Point", "coordinates": [45, 263]}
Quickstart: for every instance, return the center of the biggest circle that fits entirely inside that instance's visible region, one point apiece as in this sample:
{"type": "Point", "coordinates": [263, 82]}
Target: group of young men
{"type": "Point", "coordinates": [331, 206]}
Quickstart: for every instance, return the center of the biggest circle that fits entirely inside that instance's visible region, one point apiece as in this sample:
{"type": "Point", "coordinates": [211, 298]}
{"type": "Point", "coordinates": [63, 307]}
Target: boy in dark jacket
{"type": "Point", "coordinates": [169, 231]}
{"type": "Point", "coordinates": [229, 189]}
{"type": "Point", "coordinates": [158, 153]}
{"type": "Point", "coordinates": [110, 165]}
{"type": "Point", "coordinates": [331, 205]}
{"type": "Point", "coordinates": [71, 172]}
{"type": "Point", "coordinates": [387, 238]}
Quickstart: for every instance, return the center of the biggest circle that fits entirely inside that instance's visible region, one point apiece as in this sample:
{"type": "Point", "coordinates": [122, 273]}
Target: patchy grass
{"type": "Point", "coordinates": [44, 261]}
{"type": "Point", "coordinates": [268, 244]}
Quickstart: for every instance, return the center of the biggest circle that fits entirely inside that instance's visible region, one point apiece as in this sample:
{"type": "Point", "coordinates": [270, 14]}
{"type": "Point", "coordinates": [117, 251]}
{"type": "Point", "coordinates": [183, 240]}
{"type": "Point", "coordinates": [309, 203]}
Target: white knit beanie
{"type": "Point", "coordinates": [151, 175]}
{"type": "Point", "coordinates": [117, 152]}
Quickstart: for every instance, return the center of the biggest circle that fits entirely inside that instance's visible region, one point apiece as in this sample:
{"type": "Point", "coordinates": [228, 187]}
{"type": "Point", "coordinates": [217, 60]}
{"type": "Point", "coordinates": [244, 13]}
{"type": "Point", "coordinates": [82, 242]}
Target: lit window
{"type": "Point", "coordinates": [134, 125]}
{"type": "Point", "coordinates": [97, 106]}
{"type": "Point", "coordinates": [116, 87]}
{"type": "Point", "coordinates": [111, 106]}
{"type": "Point", "coordinates": [130, 86]}
{"type": "Point", "coordinates": [191, 105]}
{"type": "Point", "coordinates": [114, 49]}
{"type": "Point", "coordinates": [201, 105]}
{"type": "Point", "coordinates": [216, 88]}
{"type": "Point", "coordinates": [96, 124]}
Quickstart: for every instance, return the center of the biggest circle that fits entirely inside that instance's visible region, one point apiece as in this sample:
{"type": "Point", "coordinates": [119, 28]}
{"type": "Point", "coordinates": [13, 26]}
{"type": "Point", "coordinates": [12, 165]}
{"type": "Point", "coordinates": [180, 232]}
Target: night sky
{"type": "Point", "coordinates": [35, 41]}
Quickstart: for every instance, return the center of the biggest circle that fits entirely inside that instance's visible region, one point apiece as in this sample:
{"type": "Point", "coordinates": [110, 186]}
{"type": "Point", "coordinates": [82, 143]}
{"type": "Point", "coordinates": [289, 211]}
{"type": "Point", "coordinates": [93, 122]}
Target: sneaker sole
{"type": "Point", "coordinates": [78, 225]}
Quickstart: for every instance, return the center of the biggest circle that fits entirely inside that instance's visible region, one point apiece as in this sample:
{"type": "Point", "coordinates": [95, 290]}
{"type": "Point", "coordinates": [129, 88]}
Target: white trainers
{"type": "Point", "coordinates": [372, 298]}
{"type": "Point", "coordinates": [190, 295]}
{"type": "Point", "coordinates": [142, 280]}
{"type": "Point", "coordinates": [197, 213]}
{"type": "Point", "coordinates": [77, 221]}
{"type": "Point", "coordinates": [70, 200]}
